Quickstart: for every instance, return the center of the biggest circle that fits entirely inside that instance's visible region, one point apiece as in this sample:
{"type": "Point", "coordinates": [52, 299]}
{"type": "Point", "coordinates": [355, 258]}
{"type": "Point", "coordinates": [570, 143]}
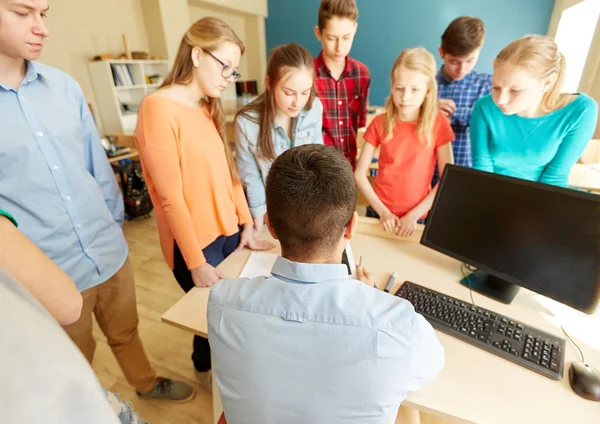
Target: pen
{"type": "Point", "coordinates": [390, 282]}
{"type": "Point", "coordinates": [360, 261]}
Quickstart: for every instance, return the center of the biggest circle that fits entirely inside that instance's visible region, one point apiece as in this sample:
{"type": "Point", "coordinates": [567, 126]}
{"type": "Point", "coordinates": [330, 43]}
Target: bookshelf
{"type": "Point", "coordinates": [120, 86]}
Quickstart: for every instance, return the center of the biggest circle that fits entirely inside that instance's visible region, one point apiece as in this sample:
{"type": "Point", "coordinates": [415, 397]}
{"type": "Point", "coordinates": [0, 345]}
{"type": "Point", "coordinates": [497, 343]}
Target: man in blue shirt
{"type": "Point", "coordinates": [459, 87]}
{"type": "Point", "coordinates": [57, 182]}
{"type": "Point", "coordinates": [311, 344]}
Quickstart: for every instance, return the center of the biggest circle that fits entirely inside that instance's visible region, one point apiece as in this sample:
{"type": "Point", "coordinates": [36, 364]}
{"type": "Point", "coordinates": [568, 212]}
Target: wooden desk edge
{"type": "Point", "coordinates": [129, 155]}
{"type": "Point", "coordinates": [168, 321]}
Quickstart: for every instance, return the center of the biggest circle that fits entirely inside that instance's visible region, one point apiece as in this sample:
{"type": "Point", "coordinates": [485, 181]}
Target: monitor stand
{"type": "Point", "coordinates": [490, 286]}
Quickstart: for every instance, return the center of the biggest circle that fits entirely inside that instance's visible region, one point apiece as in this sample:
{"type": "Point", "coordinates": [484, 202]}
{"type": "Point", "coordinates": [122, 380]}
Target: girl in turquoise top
{"type": "Point", "coordinates": [527, 128]}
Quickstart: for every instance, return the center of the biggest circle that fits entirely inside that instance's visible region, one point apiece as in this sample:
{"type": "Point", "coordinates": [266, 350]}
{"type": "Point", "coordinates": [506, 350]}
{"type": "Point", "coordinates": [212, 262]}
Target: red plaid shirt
{"type": "Point", "coordinates": [345, 103]}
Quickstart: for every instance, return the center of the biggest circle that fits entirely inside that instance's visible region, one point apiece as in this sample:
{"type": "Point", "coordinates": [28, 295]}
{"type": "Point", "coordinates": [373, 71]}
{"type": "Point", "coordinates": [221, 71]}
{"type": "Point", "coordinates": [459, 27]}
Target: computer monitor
{"type": "Point", "coordinates": [519, 233]}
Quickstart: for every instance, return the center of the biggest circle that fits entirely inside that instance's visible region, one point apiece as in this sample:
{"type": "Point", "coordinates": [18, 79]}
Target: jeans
{"type": "Point", "coordinates": [215, 253]}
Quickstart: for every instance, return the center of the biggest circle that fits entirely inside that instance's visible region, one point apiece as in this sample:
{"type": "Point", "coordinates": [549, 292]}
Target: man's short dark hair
{"type": "Point", "coordinates": [463, 36]}
{"type": "Point", "coordinates": [311, 196]}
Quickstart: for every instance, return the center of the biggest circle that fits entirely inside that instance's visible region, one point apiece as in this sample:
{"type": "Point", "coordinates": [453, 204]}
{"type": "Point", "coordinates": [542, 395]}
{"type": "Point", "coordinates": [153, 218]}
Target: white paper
{"type": "Point", "coordinates": [258, 264]}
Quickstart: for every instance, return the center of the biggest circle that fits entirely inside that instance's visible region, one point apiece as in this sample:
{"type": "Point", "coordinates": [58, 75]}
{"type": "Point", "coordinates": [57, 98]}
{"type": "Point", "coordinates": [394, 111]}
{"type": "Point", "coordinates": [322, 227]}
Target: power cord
{"type": "Point", "coordinates": [575, 344]}
{"type": "Point", "coordinates": [472, 269]}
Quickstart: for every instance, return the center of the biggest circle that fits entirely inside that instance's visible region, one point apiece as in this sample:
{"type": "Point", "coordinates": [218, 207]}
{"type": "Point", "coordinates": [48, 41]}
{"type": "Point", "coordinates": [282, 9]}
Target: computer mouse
{"type": "Point", "coordinates": [585, 381]}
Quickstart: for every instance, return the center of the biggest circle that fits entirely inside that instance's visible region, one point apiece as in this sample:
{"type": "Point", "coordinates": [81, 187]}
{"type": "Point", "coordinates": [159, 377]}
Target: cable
{"type": "Point", "coordinates": [571, 340]}
{"type": "Point", "coordinates": [462, 269]}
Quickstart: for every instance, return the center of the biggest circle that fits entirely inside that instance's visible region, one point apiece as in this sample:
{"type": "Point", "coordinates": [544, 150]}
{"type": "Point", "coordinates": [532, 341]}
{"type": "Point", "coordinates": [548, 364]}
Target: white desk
{"type": "Point", "coordinates": [585, 176]}
{"type": "Point", "coordinates": [475, 386]}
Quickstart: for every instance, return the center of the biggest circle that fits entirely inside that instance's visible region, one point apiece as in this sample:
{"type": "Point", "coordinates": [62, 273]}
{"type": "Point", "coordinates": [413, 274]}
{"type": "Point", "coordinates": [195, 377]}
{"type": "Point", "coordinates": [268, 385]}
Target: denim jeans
{"type": "Point", "coordinates": [215, 253]}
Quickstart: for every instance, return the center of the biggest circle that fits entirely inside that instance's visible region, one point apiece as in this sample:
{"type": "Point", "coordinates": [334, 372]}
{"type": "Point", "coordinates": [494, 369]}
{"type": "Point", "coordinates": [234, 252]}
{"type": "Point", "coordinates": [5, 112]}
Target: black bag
{"type": "Point", "coordinates": [137, 199]}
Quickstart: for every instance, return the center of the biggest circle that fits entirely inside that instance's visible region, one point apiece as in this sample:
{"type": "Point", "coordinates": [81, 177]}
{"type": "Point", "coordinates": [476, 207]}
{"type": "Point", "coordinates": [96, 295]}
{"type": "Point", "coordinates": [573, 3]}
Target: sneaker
{"type": "Point", "coordinates": [205, 379]}
{"type": "Point", "coordinates": [165, 388]}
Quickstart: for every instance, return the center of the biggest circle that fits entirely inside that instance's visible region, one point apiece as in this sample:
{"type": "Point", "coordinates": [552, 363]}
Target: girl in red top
{"type": "Point", "coordinates": [412, 135]}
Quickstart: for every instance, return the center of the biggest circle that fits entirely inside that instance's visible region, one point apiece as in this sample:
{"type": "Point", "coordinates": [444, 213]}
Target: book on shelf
{"type": "Point", "coordinates": [122, 75]}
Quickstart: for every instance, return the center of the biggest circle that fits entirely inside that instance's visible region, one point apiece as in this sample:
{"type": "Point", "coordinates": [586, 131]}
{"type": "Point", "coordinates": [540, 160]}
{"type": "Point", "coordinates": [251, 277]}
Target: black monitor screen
{"type": "Point", "coordinates": [537, 236]}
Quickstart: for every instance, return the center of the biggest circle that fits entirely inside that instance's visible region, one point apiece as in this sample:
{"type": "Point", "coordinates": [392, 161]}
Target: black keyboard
{"type": "Point", "coordinates": [493, 332]}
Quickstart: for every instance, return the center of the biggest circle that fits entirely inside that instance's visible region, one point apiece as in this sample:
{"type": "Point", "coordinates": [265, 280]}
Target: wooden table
{"type": "Point", "coordinates": [132, 154]}
{"type": "Point", "coordinates": [475, 386]}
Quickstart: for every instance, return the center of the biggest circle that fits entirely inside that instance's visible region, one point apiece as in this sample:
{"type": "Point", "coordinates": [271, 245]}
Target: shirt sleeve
{"type": "Point", "coordinates": [97, 163]}
{"type": "Point", "coordinates": [374, 133]}
{"type": "Point", "coordinates": [362, 122]}
{"type": "Point", "coordinates": [317, 109]}
{"type": "Point", "coordinates": [571, 148]}
{"type": "Point", "coordinates": [160, 157]}
{"type": "Point", "coordinates": [428, 356]}
{"type": "Point", "coordinates": [9, 216]}
{"type": "Point", "coordinates": [480, 139]}
{"type": "Point", "coordinates": [445, 133]}
{"type": "Point", "coordinates": [249, 170]}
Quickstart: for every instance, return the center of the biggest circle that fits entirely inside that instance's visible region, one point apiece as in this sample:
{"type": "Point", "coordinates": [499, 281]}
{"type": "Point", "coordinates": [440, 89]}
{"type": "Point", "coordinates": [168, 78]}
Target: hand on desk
{"type": "Point", "coordinates": [389, 222]}
{"type": "Point", "coordinates": [403, 227]}
{"type": "Point", "coordinates": [259, 224]}
{"type": "Point", "coordinates": [205, 275]}
{"type": "Point", "coordinates": [247, 239]}
{"type": "Point", "coordinates": [406, 225]}
{"type": "Point", "coordinates": [363, 275]}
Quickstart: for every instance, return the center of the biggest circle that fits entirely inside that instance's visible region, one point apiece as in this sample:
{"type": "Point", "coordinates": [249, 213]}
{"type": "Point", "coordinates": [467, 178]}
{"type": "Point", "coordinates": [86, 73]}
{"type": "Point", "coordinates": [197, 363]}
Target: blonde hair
{"type": "Point", "coordinates": [416, 60]}
{"type": "Point", "coordinates": [207, 34]}
{"type": "Point", "coordinates": [539, 55]}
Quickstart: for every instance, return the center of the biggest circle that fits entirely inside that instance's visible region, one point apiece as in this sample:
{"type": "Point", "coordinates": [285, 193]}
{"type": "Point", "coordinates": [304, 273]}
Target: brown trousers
{"type": "Point", "coordinates": [114, 305]}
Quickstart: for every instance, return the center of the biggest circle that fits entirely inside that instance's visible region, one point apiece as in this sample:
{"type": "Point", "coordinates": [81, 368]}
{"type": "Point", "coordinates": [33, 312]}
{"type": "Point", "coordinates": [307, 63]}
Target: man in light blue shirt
{"type": "Point", "coordinates": [311, 344]}
{"type": "Point", "coordinates": [57, 182]}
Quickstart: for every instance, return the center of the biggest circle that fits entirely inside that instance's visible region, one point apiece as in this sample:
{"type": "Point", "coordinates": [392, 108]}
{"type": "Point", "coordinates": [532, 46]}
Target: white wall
{"type": "Point", "coordinates": [81, 29]}
{"type": "Point", "coordinates": [590, 80]}
{"type": "Point", "coordinates": [248, 27]}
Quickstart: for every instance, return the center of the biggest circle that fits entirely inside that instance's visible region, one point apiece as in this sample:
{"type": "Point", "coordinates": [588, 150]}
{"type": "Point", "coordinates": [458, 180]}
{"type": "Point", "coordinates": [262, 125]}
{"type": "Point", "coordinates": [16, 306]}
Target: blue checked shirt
{"type": "Point", "coordinates": [464, 93]}
{"type": "Point", "coordinates": [55, 178]}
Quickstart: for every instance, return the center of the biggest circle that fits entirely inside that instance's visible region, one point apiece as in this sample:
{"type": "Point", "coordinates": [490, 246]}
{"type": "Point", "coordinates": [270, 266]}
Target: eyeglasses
{"type": "Point", "coordinates": [227, 71]}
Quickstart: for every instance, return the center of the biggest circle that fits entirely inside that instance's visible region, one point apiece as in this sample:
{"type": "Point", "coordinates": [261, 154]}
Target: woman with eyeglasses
{"type": "Point", "coordinates": [201, 211]}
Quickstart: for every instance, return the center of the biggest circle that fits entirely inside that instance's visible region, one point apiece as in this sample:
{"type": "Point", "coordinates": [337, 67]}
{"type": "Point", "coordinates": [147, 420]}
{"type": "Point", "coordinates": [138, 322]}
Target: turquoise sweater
{"type": "Point", "coordinates": [538, 149]}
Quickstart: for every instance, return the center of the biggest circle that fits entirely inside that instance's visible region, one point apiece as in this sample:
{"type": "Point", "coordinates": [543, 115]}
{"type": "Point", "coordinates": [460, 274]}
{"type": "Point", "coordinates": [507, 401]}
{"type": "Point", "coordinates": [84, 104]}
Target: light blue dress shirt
{"type": "Point", "coordinates": [311, 345]}
{"type": "Point", "coordinates": [55, 178]}
{"type": "Point", "coordinates": [307, 128]}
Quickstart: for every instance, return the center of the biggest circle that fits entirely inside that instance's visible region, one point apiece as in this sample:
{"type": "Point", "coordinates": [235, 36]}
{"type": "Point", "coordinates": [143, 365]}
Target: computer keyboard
{"type": "Point", "coordinates": [505, 337]}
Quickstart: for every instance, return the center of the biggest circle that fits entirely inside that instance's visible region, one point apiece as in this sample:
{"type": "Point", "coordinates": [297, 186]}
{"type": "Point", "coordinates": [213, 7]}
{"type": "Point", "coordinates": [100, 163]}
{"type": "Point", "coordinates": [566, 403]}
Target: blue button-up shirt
{"type": "Point", "coordinates": [55, 178]}
{"type": "Point", "coordinates": [464, 93]}
{"type": "Point", "coordinates": [312, 345]}
{"type": "Point", "coordinates": [307, 129]}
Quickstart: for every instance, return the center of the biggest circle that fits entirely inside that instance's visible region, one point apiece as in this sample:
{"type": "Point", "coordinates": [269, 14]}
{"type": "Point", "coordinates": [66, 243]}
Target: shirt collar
{"type": "Point", "coordinates": [297, 119]}
{"type": "Point", "coordinates": [324, 71]}
{"type": "Point", "coordinates": [31, 74]}
{"type": "Point", "coordinates": [309, 273]}
{"type": "Point", "coordinates": [441, 78]}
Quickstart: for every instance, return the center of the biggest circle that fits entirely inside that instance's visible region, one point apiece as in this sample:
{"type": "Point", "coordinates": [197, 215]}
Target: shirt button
{"type": "Point", "coordinates": [67, 197]}
{"type": "Point", "coordinates": [54, 167]}
{"type": "Point", "coordinates": [340, 102]}
{"type": "Point", "coordinates": [40, 134]}
{"type": "Point", "coordinates": [341, 122]}
{"type": "Point", "coordinates": [22, 97]}
{"type": "Point", "coordinates": [78, 225]}
{"type": "Point", "coordinates": [356, 97]}
{"type": "Point", "coordinates": [342, 140]}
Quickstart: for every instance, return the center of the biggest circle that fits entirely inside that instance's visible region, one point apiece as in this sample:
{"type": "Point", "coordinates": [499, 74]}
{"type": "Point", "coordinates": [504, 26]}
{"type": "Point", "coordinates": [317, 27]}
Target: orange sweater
{"type": "Point", "coordinates": [188, 178]}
